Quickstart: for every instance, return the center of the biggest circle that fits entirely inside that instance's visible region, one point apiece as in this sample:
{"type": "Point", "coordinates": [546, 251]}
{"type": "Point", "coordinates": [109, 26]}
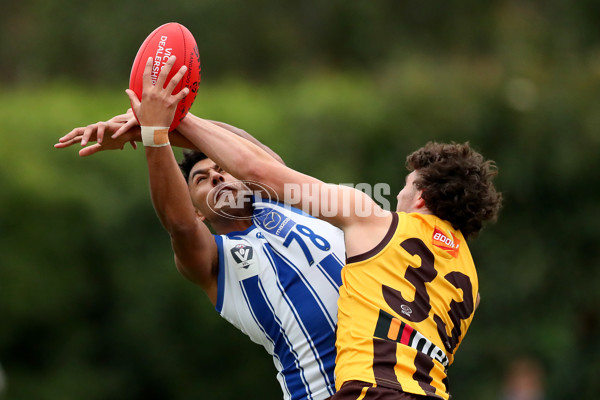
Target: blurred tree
{"type": "Point", "coordinates": [90, 303]}
{"type": "Point", "coordinates": [262, 40]}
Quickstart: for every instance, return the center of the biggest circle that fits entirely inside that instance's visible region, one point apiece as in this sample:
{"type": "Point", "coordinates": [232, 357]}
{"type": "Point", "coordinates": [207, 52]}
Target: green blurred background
{"type": "Point", "coordinates": [91, 305]}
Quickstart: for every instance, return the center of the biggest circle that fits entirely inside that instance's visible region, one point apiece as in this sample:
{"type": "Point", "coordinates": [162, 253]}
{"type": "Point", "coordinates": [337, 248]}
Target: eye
{"type": "Point", "coordinates": [199, 178]}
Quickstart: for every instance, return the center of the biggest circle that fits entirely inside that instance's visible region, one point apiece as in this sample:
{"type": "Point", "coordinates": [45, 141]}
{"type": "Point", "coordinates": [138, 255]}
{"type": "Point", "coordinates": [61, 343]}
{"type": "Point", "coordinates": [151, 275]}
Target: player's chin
{"type": "Point", "coordinates": [229, 202]}
{"type": "Point", "coordinates": [241, 213]}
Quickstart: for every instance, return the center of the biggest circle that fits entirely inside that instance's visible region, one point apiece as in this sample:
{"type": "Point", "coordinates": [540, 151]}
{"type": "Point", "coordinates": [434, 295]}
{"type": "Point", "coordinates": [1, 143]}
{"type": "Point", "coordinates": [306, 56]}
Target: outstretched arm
{"type": "Point", "coordinates": [193, 244]}
{"type": "Point", "coordinates": [123, 128]}
{"type": "Point", "coordinates": [196, 253]}
{"type": "Point", "coordinates": [102, 133]}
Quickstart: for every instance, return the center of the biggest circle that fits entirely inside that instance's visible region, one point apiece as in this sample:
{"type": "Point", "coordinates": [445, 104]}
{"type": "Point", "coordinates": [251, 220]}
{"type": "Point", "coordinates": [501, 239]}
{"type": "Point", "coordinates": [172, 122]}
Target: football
{"type": "Point", "coordinates": [165, 41]}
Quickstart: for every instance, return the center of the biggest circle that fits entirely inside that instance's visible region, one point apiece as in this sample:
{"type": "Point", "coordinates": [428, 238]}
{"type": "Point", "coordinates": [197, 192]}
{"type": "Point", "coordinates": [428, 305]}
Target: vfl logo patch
{"type": "Point", "coordinates": [243, 254]}
{"type": "Point", "coordinates": [449, 244]}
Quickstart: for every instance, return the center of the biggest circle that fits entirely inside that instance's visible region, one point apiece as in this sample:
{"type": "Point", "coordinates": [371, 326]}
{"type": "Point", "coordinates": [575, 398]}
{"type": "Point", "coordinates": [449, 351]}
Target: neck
{"type": "Point", "coordinates": [422, 210]}
{"type": "Point", "coordinates": [227, 225]}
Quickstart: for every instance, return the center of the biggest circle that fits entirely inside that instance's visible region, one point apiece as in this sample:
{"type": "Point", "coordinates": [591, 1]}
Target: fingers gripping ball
{"type": "Point", "coordinates": [171, 39]}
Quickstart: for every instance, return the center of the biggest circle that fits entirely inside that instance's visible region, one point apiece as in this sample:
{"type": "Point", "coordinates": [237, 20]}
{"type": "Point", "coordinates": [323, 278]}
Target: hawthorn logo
{"type": "Point", "coordinates": [449, 244]}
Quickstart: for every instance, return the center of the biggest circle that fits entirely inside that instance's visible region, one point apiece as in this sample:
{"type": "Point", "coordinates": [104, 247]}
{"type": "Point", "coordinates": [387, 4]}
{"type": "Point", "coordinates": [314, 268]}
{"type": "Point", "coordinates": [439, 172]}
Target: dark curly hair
{"type": "Point", "coordinates": [190, 158]}
{"type": "Point", "coordinates": [457, 185]}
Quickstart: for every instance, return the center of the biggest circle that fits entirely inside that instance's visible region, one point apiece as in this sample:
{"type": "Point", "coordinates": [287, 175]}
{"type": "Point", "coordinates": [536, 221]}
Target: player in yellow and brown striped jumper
{"type": "Point", "coordinates": [396, 326]}
{"type": "Point", "coordinates": [406, 304]}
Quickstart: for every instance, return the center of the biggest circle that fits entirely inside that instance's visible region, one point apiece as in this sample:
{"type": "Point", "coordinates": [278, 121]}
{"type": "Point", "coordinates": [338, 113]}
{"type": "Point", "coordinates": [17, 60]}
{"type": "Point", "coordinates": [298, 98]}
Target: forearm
{"type": "Point", "coordinates": [245, 135]}
{"type": "Point", "coordinates": [169, 191]}
{"type": "Point", "coordinates": [192, 242]}
{"type": "Point", "coordinates": [177, 139]}
{"type": "Point", "coordinates": [236, 155]}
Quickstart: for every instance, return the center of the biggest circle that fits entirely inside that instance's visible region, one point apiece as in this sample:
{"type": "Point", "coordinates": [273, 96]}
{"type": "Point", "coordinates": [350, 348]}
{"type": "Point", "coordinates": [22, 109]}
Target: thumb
{"type": "Point", "coordinates": [135, 101]}
{"type": "Point", "coordinates": [132, 122]}
{"type": "Point", "coordinates": [89, 150]}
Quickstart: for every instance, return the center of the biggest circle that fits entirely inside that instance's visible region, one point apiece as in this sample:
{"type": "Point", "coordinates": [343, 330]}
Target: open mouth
{"type": "Point", "coordinates": [224, 190]}
{"type": "Point", "coordinates": [231, 187]}
{"type": "Point", "coordinates": [230, 190]}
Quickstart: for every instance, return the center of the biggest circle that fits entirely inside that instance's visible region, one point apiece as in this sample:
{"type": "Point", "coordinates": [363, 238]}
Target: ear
{"type": "Point", "coordinates": [420, 202]}
{"type": "Point", "coordinates": [200, 215]}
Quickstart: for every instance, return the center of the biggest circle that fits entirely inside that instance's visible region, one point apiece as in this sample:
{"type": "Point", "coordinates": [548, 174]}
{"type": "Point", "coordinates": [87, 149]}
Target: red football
{"type": "Point", "coordinates": [167, 40]}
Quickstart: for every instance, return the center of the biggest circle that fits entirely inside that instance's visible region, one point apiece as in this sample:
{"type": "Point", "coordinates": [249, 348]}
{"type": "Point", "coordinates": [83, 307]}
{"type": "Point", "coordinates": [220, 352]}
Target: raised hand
{"type": "Point", "coordinates": [158, 104]}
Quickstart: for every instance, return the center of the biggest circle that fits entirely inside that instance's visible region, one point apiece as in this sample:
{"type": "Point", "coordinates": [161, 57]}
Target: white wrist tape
{"type": "Point", "coordinates": [155, 136]}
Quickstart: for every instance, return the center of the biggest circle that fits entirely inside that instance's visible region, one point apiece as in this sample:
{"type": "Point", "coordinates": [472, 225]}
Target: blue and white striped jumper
{"type": "Point", "coordinates": [279, 284]}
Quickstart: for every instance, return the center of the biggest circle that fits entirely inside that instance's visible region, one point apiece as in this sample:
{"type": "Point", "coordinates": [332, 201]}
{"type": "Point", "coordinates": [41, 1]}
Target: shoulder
{"type": "Point", "coordinates": [367, 233]}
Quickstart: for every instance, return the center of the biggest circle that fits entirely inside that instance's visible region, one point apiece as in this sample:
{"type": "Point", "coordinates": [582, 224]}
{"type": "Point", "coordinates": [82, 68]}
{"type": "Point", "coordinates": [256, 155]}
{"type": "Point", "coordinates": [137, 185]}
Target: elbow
{"type": "Point", "coordinates": [181, 229]}
{"type": "Point", "coordinates": [278, 159]}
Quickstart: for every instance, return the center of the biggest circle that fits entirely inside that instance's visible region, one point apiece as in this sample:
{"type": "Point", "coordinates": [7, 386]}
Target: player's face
{"type": "Point", "coordinates": [216, 192]}
{"type": "Point", "coordinates": [409, 197]}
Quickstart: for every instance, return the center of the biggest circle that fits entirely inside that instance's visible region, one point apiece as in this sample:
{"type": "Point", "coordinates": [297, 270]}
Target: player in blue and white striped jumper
{"type": "Point", "coordinates": [278, 276]}
{"type": "Point", "coordinates": [271, 270]}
